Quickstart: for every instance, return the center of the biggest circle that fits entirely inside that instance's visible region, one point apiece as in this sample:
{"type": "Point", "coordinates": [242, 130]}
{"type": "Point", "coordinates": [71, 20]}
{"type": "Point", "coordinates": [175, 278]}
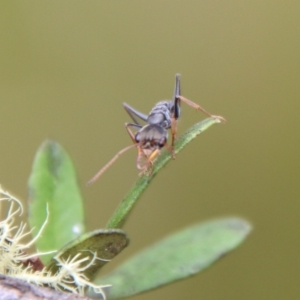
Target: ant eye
{"type": "Point", "coordinates": [137, 137]}
{"type": "Point", "coordinates": [162, 143]}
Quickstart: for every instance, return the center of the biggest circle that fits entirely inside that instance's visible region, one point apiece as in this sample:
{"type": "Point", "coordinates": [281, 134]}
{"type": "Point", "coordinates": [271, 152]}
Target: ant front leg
{"type": "Point", "coordinates": [141, 153]}
{"type": "Point", "coordinates": [198, 107]}
{"type": "Point", "coordinates": [148, 167]}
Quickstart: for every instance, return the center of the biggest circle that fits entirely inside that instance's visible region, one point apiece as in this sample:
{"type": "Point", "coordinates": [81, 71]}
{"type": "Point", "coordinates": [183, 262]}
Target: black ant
{"type": "Point", "coordinates": [152, 137]}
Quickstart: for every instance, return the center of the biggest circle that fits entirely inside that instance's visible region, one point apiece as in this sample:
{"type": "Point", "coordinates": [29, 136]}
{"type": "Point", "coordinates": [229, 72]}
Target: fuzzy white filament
{"type": "Point", "coordinates": [70, 274]}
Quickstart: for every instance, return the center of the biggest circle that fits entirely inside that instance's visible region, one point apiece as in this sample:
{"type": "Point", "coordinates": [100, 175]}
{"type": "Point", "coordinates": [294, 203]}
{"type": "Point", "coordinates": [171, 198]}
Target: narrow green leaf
{"type": "Point", "coordinates": [176, 257]}
{"type": "Point", "coordinates": [120, 215]}
{"type": "Point", "coordinates": [104, 243]}
{"type": "Point", "coordinates": [53, 184]}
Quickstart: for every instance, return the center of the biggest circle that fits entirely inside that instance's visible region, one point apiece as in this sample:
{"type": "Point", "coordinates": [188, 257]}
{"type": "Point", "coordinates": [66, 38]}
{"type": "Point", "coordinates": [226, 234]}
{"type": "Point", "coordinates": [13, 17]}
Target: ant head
{"type": "Point", "coordinates": [151, 137]}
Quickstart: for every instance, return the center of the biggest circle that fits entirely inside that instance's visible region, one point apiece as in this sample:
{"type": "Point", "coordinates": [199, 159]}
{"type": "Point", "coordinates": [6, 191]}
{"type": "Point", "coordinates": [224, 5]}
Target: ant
{"type": "Point", "coordinates": [152, 137]}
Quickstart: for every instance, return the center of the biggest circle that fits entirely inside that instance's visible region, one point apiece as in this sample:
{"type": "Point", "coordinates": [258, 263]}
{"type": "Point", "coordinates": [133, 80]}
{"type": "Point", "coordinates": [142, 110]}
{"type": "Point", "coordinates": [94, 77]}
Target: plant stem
{"type": "Point", "coordinates": [120, 215]}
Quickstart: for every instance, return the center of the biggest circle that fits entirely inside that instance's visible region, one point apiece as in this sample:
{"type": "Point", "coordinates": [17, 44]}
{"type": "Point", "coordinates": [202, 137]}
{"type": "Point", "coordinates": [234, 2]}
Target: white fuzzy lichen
{"type": "Point", "coordinates": [70, 274]}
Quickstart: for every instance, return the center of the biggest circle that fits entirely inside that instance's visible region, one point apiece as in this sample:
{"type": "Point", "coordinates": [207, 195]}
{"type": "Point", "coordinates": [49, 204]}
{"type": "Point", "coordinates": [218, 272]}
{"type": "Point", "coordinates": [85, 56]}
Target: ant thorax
{"type": "Point", "coordinates": [161, 114]}
{"type": "Point", "coordinates": [151, 137]}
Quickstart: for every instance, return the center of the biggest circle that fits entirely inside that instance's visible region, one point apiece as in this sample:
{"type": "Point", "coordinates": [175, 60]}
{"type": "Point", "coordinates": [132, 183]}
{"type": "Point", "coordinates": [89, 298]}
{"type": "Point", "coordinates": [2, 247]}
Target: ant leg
{"type": "Point", "coordinates": [141, 153]}
{"type": "Point", "coordinates": [148, 171]}
{"type": "Point", "coordinates": [147, 168]}
{"type": "Point", "coordinates": [133, 112]}
{"type": "Point", "coordinates": [171, 150]}
{"type": "Point", "coordinates": [174, 132]}
{"type": "Point", "coordinates": [198, 107]}
{"type": "Point", "coordinates": [131, 134]}
{"type": "Point", "coordinates": [153, 156]}
{"type": "Point", "coordinates": [139, 158]}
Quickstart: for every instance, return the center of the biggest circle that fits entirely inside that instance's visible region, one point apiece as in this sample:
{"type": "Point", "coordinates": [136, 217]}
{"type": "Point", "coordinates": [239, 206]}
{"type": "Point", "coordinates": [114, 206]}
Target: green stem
{"type": "Point", "coordinates": [120, 215]}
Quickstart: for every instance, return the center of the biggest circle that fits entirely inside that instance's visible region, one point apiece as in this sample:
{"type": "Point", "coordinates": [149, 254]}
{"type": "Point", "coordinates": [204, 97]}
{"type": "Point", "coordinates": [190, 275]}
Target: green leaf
{"type": "Point", "coordinates": [120, 215]}
{"type": "Point", "coordinates": [105, 243]}
{"type": "Point", "coordinates": [53, 185]}
{"type": "Point", "coordinates": [176, 257]}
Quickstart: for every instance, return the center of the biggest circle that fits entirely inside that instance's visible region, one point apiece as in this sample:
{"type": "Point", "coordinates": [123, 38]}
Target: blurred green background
{"type": "Point", "coordinates": [66, 68]}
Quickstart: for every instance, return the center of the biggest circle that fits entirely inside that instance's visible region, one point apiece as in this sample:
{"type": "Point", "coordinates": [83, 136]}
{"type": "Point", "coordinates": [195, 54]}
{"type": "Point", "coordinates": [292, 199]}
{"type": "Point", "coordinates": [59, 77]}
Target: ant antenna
{"type": "Point", "coordinates": [103, 169]}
